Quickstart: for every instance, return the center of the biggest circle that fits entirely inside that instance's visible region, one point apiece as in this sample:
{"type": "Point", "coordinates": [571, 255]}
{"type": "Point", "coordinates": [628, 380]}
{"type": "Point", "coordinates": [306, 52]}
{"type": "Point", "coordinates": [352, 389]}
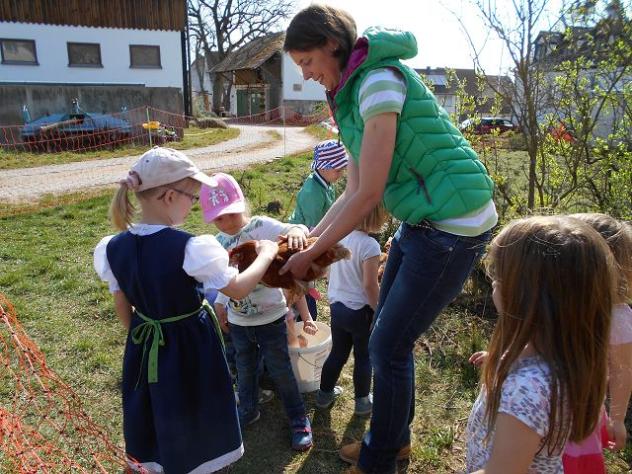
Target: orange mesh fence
{"type": "Point", "coordinates": [43, 426]}
{"type": "Point", "coordinates": [84, 131]}
{"type": "Point", "coordinates": [281, 115]}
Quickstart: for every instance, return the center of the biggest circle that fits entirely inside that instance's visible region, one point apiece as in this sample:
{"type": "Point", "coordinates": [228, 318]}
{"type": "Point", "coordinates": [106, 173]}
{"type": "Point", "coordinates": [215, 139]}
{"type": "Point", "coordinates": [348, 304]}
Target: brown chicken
{"type": "Point", "coordinates": [243, 255]}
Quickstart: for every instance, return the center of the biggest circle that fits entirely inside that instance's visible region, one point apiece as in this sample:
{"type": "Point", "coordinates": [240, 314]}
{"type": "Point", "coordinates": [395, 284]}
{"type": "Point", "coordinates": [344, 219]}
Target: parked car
{"type": "Point", "coordinates": [561, 132]}
{"type": "Point", "coordinates": [75, 131]}
{"type": "Point", "coordinates": [487, 125]}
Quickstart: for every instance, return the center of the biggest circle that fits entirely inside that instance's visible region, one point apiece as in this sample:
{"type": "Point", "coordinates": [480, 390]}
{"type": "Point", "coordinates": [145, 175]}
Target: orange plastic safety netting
{"type": "Point", "coordinates": [43, 425]}
{"type": "Point", "coordinates": [85, 131]}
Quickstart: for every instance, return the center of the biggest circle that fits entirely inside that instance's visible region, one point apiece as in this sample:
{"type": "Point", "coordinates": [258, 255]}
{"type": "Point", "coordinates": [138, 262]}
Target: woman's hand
{"type": "Point", "coordinates": [298, 264]}
{"type": "Point", "coordinates": [617, 435]}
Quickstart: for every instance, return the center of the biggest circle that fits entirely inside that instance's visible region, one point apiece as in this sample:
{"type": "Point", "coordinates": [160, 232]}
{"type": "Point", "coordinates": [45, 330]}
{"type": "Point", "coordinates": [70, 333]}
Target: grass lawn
{"type": "Point", "coordinates": [46, 261]}
{"type": "Point", "coordinates": [193, 138]}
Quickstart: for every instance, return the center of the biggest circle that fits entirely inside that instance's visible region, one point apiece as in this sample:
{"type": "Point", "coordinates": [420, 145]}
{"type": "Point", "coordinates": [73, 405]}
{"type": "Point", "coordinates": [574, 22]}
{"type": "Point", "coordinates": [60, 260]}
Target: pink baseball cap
{"type": "Point", "coordinates": [223, 198]}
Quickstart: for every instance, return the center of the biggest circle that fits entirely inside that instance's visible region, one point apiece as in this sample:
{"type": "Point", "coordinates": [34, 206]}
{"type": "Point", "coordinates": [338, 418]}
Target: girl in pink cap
{"type": "Point", "coordinates": [179, 412]}
{"type": "Point", "coordinates": [257, 322]}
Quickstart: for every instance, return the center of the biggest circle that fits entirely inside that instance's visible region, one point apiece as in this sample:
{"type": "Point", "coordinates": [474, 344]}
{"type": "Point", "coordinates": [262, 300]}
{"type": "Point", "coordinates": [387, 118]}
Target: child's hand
{"type": "Point", "coordinates": [478, 358]}
{"type": "Point", "coordinates": [310, 327]}
{"type": "Point", "coordinates": [267, 248]}
{"type": "Point", "coordinates": [296, 238]}
{"type": "Point", "coordinates": [617, 435]}
{"type": "Point", "coordinates": [222, 318]}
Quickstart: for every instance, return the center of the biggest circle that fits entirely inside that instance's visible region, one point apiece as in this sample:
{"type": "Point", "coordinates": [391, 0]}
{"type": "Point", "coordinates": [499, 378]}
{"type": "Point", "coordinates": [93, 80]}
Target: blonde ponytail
{"type": "Point", "coordinates": [121, 208]}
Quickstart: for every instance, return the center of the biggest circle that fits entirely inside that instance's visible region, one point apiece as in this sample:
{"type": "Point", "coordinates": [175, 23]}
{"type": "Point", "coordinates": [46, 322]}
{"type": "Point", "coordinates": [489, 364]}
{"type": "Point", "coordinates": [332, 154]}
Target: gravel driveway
{"type": "Point", "coordinates": [255, 144]}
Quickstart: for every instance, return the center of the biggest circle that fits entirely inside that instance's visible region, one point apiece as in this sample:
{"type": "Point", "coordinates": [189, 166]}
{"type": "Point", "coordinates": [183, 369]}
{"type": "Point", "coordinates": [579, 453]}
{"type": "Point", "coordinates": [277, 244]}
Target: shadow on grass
{"type": "Point", "coordinates": [323, 458]}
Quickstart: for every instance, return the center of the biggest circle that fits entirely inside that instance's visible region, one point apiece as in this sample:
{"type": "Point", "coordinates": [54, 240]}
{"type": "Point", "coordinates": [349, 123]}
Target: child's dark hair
{"type": "Point", "coordinates": [556, 282]}
{"type": "Point", "coordinates": [314, 25]}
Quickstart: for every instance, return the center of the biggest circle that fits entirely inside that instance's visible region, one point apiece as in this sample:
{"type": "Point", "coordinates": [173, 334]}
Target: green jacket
{"type": "Point", "coordinates": [435, 174]}
{"type": "Point", "coordinates": [313, 201]}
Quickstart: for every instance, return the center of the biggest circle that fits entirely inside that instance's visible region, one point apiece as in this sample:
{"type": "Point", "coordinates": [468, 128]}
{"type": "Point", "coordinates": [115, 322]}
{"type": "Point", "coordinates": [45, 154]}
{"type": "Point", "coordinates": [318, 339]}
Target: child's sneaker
{"type": "Point", "coordinates": [247, 421]}
{"type": "Point", "coordinates": [301, 434]}
{"type": "Point", "coordinates": [363, 405]}
{"type": "Point", "coordinates": [265, 396]}
{"type": "Point", "coordinates": [326, 399]}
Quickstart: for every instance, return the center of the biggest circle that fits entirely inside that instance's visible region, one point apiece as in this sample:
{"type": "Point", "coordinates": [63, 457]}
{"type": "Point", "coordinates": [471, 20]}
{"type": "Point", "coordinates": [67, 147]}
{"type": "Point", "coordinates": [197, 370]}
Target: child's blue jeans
{"type": "Point", "coordinates": [271, 340]}
{"type": "Point", "coordinates": [349, 328]}
{"type": "Point", "coordinates": [425, 271]}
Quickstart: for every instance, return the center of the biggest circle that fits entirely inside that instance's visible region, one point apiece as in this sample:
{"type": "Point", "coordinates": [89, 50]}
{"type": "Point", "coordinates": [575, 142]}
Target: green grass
{"type": "Point", "coordinates": [46, 261]}
{"type": "Point", "coordinates": [193, 138]}
{"type": "Point", "coordinates": [319, 132]}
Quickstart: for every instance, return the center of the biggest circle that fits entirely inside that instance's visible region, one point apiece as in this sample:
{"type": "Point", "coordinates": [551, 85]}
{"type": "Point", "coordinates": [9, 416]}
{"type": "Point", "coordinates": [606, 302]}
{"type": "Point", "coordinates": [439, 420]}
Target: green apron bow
{"type": "Point", "coordinates": [152, 328]}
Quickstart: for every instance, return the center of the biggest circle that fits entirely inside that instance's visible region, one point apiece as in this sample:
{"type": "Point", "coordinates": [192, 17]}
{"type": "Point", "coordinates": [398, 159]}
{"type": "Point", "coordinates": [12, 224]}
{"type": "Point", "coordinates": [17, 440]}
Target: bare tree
{"type": "Point", "coordinates": [200, 67]}
{"type": "Point", "coordinates": [517, 31]}
{"type": "Point", "coordinates": [223, 26]}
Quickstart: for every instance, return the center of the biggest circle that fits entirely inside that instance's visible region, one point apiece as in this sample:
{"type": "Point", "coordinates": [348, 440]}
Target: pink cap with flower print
{"type": "Point", "coordinates": [223, 198]}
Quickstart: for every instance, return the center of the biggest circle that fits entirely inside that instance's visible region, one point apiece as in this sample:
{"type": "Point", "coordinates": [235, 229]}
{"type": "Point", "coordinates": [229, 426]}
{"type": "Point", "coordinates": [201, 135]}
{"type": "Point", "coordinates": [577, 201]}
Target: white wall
{"type": "Point", "coordinates": [52, 55]}
{"type": "Point", "coordinates": [311, 90]}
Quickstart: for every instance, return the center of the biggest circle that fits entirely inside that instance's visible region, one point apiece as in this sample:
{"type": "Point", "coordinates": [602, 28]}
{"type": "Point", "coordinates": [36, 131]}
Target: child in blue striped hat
{"type": "Point", "coordinates": [317, 194]}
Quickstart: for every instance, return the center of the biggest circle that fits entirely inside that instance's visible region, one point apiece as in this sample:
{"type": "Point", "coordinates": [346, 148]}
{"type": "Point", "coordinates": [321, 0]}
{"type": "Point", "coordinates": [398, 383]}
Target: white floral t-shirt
{"type": "Point", "coordinates": [526, 395]}
{"type": "Point", "coordinates": [263, 305]}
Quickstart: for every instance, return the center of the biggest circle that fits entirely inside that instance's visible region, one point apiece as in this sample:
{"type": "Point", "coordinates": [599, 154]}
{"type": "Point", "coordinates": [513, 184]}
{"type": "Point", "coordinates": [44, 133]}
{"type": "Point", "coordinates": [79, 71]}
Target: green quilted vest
{"type": "Point", "coordinates": [435, 174]}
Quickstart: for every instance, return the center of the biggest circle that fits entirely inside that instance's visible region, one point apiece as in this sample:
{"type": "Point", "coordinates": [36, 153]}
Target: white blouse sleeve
{"type": "Point", "coordinates": [102, 266]}
{"type": "Point", "coordinates": [222, 299]}
{"type": "Point", "coordinates": [207, 261]}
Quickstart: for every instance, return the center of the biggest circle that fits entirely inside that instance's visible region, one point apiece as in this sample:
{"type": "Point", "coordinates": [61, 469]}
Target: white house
{"type": "Point", "coordinates": [446, 81]}
{"type": "Point", "coordinates": [105, 54]}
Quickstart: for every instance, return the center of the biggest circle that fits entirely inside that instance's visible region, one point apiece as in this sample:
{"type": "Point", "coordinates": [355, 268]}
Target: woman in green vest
{"type": "Point", "coordinates": [406, 152]}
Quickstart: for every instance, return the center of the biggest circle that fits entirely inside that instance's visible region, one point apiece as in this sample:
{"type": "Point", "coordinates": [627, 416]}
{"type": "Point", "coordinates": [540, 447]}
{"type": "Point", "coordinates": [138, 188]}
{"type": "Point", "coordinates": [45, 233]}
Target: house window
{"type": "Point", "coordinates": [18, 51]}
{"type": "Point", "coordinates": [84, 55]}
{"type": "Point", "coordinates": [143, 56]}
{"type": "Point", "coordinates": [298, 87]}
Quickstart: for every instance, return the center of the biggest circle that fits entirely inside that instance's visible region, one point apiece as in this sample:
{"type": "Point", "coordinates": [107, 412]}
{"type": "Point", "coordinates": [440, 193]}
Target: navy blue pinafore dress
{"type": "Point", "coordinates": [179, 412]}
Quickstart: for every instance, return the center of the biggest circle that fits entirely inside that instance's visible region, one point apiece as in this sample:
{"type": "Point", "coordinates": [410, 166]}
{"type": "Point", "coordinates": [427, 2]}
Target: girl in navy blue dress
{"type": "Point", "coordinates": [179, 413]}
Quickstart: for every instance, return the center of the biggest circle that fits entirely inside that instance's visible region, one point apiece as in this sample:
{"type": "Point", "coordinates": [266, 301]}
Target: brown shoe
{"type": "Point", "coordinates": [350, 453]}
{"type": "Point", "coordinates": [353, 470]}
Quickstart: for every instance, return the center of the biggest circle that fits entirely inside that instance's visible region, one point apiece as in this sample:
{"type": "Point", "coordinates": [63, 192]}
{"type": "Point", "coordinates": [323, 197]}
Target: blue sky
{"type": "Point", "coordinates": [440, 37]}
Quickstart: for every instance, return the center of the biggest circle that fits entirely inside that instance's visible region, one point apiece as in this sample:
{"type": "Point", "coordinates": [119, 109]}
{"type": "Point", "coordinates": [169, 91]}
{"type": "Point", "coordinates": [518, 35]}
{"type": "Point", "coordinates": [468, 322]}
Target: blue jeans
{"type": "Point", "coordinates": [349, 328]}
{"type": "Point", "coordinates": [425, 271]}
{"type": "Point", "coordinates": [271, 340]}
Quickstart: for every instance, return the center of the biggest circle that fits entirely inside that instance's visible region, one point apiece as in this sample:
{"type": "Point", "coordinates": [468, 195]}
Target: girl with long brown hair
{"type": "Point", "coordinates": [544, 378]}
{"type": "Point", "coordinates": [587, 457]}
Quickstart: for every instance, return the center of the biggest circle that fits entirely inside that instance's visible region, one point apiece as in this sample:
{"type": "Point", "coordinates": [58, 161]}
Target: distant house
{"type": "Point", "coordinates": [265, 77]}
{"type": "Point", "coordinates": [107, 53]}
{"type": "Point", "coordinates": [445, 89]}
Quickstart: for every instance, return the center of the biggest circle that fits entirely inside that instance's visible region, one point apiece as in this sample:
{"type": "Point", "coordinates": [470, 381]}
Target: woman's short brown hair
{"type": "Point", "coordinates": [313, 26]}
